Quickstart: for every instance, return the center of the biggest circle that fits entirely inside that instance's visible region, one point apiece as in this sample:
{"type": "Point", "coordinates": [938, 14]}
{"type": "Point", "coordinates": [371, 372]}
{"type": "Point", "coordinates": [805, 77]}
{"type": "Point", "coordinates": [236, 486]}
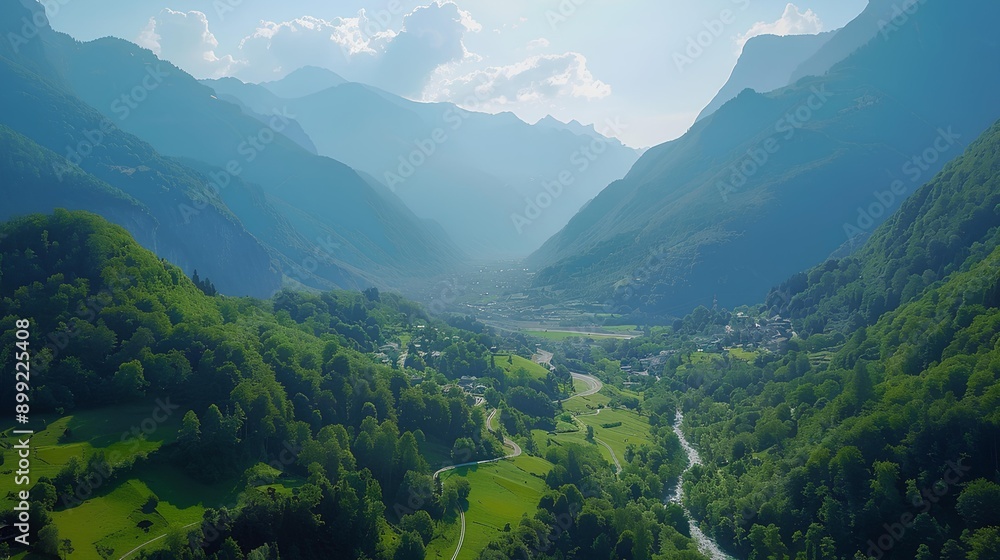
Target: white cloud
{"type": "Point", "coordinates": [539, 43]}
{"type": "Point", "coordinates": [792, 22]}
{"type": "Point", "coordinates": [185, 40]}
{"type": "Point", "coordinates": [537, 79]}
{"type": "Point", "coordinates": [362, 49]}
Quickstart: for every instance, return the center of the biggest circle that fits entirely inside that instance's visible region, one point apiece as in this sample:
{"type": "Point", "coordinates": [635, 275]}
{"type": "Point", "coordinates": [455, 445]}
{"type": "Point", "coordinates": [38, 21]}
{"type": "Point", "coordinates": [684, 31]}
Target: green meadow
{"type": "Point", "coordinates": [501, 493]}
{"type": "Point", "coordinates": [511, 363]}
{"type": "Point", "coordinates": [119, 515]}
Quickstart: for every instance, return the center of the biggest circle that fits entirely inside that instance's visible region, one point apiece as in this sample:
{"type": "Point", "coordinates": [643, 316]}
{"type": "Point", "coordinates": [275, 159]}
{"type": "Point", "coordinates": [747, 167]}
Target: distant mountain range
{"type": "Point", "coordinates": [497, 185]}
{"type": "Point", "coordinates": [209, 186]}
{"type": "Point", "coordinates": [773, 183]}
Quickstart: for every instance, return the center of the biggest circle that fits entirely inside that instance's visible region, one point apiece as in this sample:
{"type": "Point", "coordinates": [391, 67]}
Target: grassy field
{"type": "Point", "coordinates": [446, 532]}
{"type": "Point", "coordinates": [501, 493]}
{"type": "Point", "coordinates": [634, 429]}
{"type": "Point", "coordinates": [117, 515]}
{"type": "Point", "coordinates": [559, 336]}
{"type": "Point", "coordinates": [741, 354]}
{"type": "Point", "coordinates": [622, 329]}
{"type": "Point", "coordinates": [533, 369]}
{"type": "Point", "coordinates": [81, 434]}
{"type": "Point", "coordinates": [705, 357]}
{"type": "Point", "coordinates": [583, 405]}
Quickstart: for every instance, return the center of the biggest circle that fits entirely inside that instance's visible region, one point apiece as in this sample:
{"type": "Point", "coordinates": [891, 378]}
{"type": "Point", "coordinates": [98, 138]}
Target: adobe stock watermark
{"type": "Point", "coordinates": [424, 149]}
{"type": "Point", "coordinates": [565, 10]}
{"type": "Point", "coordinates": [698, 43]}
{"type": "Point", "coordinates": [225, 7]}
{"type": "Point", "coordinates": [129, 101]}
{"type": "Point", "coordinates": [104, 470]}
{"type": "Point", "coordinates": [122, 107]}
{"type": "Point", "coordinates": [32, 27]}
{"type": "Point", "coordinates": [914, 169]}
{"type": "Point", "coordinates": [785, 130]}
{"type": "Point", "coordinates": [894, 532]}
{"type": "Point", "coordinates": [901, 15]}
{"type": "Point", "coordinates": [448, 294]}
{"type": "Point", "coordinates": [580, 161]}
{"type": "Point", "coordinates": [323, 251]}
{"type": "Point", "coordinates": [250, 148]}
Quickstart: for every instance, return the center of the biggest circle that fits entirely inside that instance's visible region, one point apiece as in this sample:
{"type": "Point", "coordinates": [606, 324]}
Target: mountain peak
{"type": "Point", "coordinates": [304, 82]}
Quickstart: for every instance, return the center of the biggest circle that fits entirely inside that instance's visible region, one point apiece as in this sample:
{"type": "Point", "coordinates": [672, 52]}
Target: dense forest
{"type": "Point", "coordinates": [292, 387]}
{"type": "Point", "coordinates": [873, 432]}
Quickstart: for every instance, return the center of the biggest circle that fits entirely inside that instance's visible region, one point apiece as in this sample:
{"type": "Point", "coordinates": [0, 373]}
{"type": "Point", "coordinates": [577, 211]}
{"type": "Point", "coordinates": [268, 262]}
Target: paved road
{"type": "Point", "coordinates": [489, 420]}
{"type": "Point", "coordinates": [506, 441]}
{"type": "Point", "coordinates": [594, 383]}
{"type": "Point", "coordinates": [618, 466]}
{"type": "Point", "coordinates": [461, 513]}
{"type": "Point", "coordinates": [614, 457]}
{"type": "Point", "coordinates": [461, 536]}
{"type": "Point", "coordinates": [591, 334]}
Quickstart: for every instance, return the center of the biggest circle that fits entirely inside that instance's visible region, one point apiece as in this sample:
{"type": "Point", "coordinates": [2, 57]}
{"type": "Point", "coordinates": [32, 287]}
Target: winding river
{"type": "Point", "coordinates": [706, 545]}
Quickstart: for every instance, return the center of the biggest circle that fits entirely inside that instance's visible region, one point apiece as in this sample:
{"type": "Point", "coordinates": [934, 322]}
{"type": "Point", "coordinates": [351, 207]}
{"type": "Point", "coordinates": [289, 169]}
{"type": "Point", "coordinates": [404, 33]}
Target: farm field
{"type": "Point", "coordinates": [501, 493]}
{"type": "Point", "coordinates": [558, 336]}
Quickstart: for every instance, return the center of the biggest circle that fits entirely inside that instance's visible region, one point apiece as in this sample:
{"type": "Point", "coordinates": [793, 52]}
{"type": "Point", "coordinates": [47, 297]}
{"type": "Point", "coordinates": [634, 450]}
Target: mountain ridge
{"type": "Point", "coordinates": [687, 225]}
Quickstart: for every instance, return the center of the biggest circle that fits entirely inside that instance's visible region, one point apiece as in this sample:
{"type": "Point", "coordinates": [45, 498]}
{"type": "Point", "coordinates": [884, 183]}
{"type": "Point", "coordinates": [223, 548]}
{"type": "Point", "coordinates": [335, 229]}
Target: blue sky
{"type": "Point", "coordinates": [596, 61]}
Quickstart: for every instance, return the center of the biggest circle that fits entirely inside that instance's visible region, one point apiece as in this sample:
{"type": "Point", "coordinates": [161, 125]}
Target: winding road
{"type": "Point", "coordinates": [576, 418]}
{"type": "Point", "coordinates": [461, 513]}
{"type": "Point", "coordinates": [614, 457]}
{"type": "Point", "coordinates": [594, 385]}
{"type": "Point", "coordinates": [461, 536]}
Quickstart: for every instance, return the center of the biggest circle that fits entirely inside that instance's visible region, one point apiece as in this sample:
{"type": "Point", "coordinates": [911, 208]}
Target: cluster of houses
{"type": "Point", "coordinates": [469, 384]}
{"type": "Point", "coordinates": [752, 334]}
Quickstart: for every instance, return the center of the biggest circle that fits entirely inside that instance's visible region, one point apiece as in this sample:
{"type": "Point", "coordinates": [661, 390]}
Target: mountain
{"type": "Point", "coordinates": [879, 18]}
{"type": "Point", "coordinates": [353, 225]}
{"type": "Point", "coordinates": [944, 227]}
{"type": "Point", "coordinates": [766, 64]}
{"type": "Point", "coordinates": [31, 181]}
{"type": "Point", "coordinates": [304, 81]}
{"type": "Point", "coordinates": [574, 126]}
{"type": "Point", "coordinates": [890, 387]}
{"type": "Point", "coordinates": [773, 183]}
{"type": "Point", "coordinates": [322, 223]}
{"type": "Point", "coordinates": [60, 152]}
{"type": "Point", "coordinates": [769, 62]}
{"type": "Point", "coordinates": [497, 185]}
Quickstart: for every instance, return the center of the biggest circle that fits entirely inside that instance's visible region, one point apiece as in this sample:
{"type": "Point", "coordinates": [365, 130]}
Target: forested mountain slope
{"type": "Point", "coordinates": [884, 445]}
{"type": "Point", "coordinates": [764, 187]}
{"type": "Point", "coordinates": [945, 226]}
